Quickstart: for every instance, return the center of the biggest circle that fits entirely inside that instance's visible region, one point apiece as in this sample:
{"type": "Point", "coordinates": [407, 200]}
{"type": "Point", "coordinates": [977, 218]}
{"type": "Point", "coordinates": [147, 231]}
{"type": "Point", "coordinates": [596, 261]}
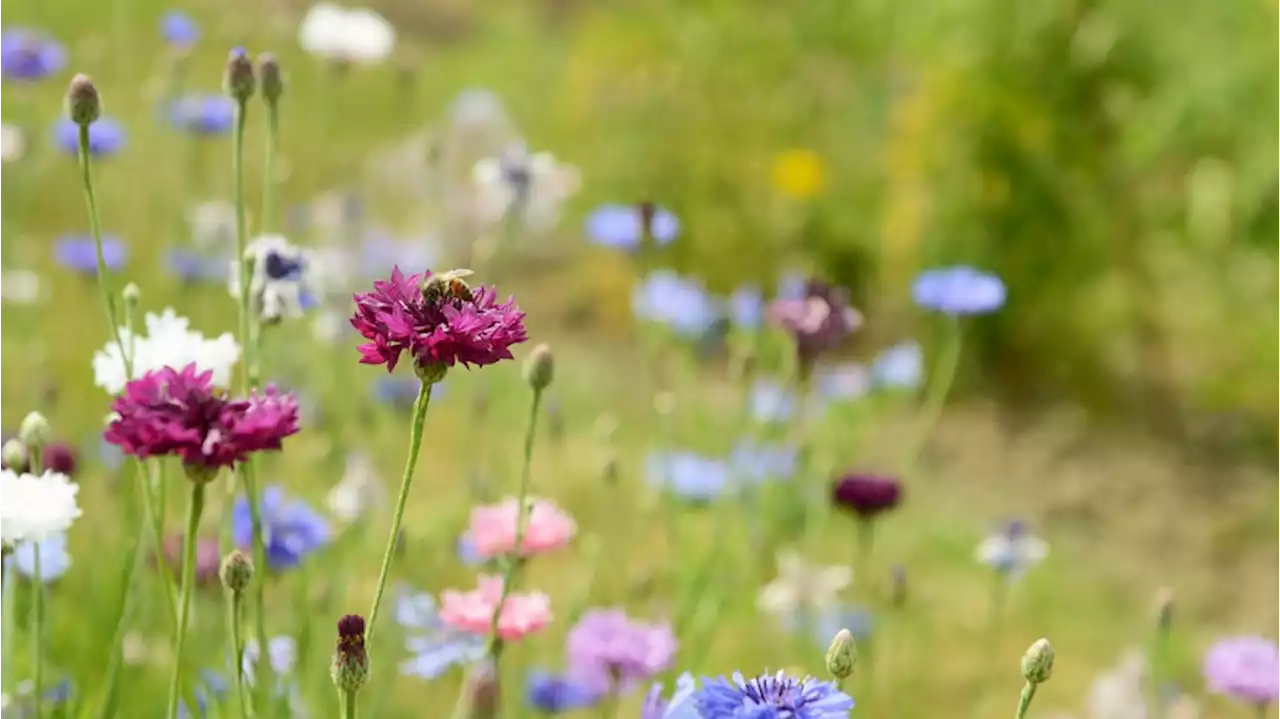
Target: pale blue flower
{"type": "Point", "coordinates": [689, 476]}
{"type": "Point", "coordinates": [620, 226]}
{"type": "Point", "coordinates": [54, 558]}
{"type": "Point", "coordinates": [680, 706]}
{"type": "Point", "coordinates": [106, 137]}
{"type": "Point", "coordinates": [899, 367]}
{"type": "Point", "coordinates": [681, 304]}
{"type": "Point", "coordinates": [844, 381]}
{"type": "Point", "coordinates": [434, 646]}
{"type": "Point", "coordinates": [959, 290]}
{"type": "Point", "coordinates": [77, 252]}
{"type": "Point", "coordinates": [28, 55]}
{"type": "Point", "coordinates": [757, 463]}
{"type": "Point", "coordinates": [293, 529]}
{"type": "Point", "coordinates": [772, 402]}
{"type": "Point", "coordinates": [746, 307]}
{"type": "Point", "coordinates": [178, 29]}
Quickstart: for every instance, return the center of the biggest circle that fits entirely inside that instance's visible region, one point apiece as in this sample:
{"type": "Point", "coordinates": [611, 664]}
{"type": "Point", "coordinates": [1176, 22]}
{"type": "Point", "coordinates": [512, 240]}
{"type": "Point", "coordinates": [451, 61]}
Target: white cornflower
{"type": "Point", "coordinates": [280, 285]}
{"type": "Point", "coordinates": [359, 491]}
{"type": "Point", "coordinates": [1012, 550]}
{"type": "Point", "coordinates": [355, 35]}
{"type": "Point", "coordinates": [170, 342]}
{"type": "Point", "coordinates": [802, 587]}
{"type": "Point", "coordinates": [533, 184]}
{"type": "Point", "coordinates": [36, 508]}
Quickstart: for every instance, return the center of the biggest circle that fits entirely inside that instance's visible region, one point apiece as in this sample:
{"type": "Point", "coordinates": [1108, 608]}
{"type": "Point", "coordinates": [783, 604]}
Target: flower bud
{"type": "Point", "coordinates": [1037, 663]}
{"type": "Point", "coordinates": [236, 571]}
{"type": "Point", "coordinates": [271, 78]}
{"type": "Point", "coordinates": [83, 103]}
{"type": "Point", "coordinates": [15, 455]}
{"type": "Point", "coordinates": [35, 432]}
{"type": "Point", "coordinates": [238, 81]}
{"type": "Point", "coordinates": [132, 294]}
{"type": "Point", "coordinates": [1164, 609]}
{"type": "Point", "coordinates": [898, 583]}
{"type": "Point", "coordinates": [350, 668]}
{"type": "Point", "coordinates": [539, 368]}
{"type": "Point", "coordinates": [842, 655]}
{"type": "Point", "coordinates": [481, 691]}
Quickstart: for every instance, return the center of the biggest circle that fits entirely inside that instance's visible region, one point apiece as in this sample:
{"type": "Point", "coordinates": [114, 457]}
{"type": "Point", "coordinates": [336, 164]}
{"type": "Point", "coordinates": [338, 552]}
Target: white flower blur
{"type": "Point", "coordinates": [36, 508]}
{"type": "Point", "coordinates": [169, 342]}
{"type": "Point", "coordinates": [533, 184]}
{"type": "Point", "coordinates": [20, 286]}
{"type": "Point", "coordinates": [1012, 550]}
{"type": "Point", "coordinates": [802, 586]}
{"type": "Point", "coordinates": [12, 143]}
{"type": "Point", "coordinates": [213, 225]}
{"type": "Point", "coordinates": [281, 284]}
{"type": "Point", "coordinates": [359, 491]}
{"type": "Point", "coordinates": [355, 35]}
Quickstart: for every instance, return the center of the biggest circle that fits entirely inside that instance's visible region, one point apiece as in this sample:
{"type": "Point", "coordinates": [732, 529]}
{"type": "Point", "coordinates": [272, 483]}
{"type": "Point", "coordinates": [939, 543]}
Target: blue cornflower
{"type": "Point", "coordinates": [179, 29]}
{"type": "Point", "coordinates": [111, 456]}
{"type": "Point", "coordinates": [899, 367]}
{"type": "Point", "coordinates": [557, 693]}
{"type": "Point", "coordinates": [402, 390]}
{"type": "Point", "coordinates": [29, 55]}
{"type": "Point", "coordinates": [758, 463]}
{"type": "Point", "coordinates": [435, 647]}
{"type": "Point", "coordinates": [619, 226]}
{"type": "Point", "coordinates": [203, 114]}
{"type": "Point", "coordinates": [76, 252]}
{"type": "Point", "coordinates": [681, 304]}
{"type": "Point", "coordinates": [1011, 549]}
{"type": "Point", "coordinates": [282, 652]}
{"type": "Point", "coordinates": [466, 551]}
{"type": "Point", "coordinates": [292, 528]}
{"type": "Point", "coordinates": [680, 706]}
{"type": "Point", "coordinates": [771, 696]}
{"type": "Point", "coordinates": [746, 307]}
{"type": "Point", "coordinates": [211, 687]}
{"type": "Point", "coordinates": [959, 290]}
{"type": "Point", "coordinates": [106, 137]}
{"type": "Point", "coordinates": [846, 380]}
{"type": "Point", "coordinates": [689, 476]}
{"type": "Point", "coordinates": [54, 558]}
{"type": "Point", "coordinates": [192, 267]}
{"type": "Point", "coordinates": [380, 252]}
{"type": "Point", "coordinates": [772, 402]}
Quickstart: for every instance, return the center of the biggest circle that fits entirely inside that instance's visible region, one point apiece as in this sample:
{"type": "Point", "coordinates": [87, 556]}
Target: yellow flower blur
{"type": "Point", "coordinates": [798, 173]}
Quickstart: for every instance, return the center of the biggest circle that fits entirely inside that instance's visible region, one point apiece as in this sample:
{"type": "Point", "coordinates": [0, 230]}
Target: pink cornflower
{"type": "Point", "coordinates": [818, 322]}
{"type": "Point", "coordinates": [179, 413]}
{"type": "Point", "coordinates": [440, 323]}
{"type": "Point", "coordinates": [493, 528]}
{"type": "Point", "coordinates": [616, 653]}
{"type": "Point", "coordinates": [472, 611]}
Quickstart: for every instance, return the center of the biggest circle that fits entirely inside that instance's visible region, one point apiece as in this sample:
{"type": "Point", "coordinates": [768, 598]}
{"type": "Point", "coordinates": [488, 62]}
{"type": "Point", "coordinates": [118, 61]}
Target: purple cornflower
{"type": "Point", "coordinates": [746, 307]}
{"type": "Point", "coordinates": [77, 252]}
{"type": "Point", "coordinates": [681, 304]}
{"type": "Point", "coordinates": [292, 528]}
{"type": "Point", "coordinates": [449, 325]}
{"type": "Point", "coordinates": [680, 706]}
{"type": "Point", "coordinates": [959, 290]}
{"type": "Point", "coordinates": [622, 226]}
{"type": "Point", "coordinates": [178, 412]}
{"type": "Point", "coordinates": [549, 693]}
{"type": "Point", "coordinates": [770, 696]}
{"type": "Point", "coordinates": [178, 29]}
{"type": "Point", "coordinates": [818, 322]}
{"type": "Point", "coordinates": [203, 114]}
{"type": "Point", "coordinates": [28, 55]}
{"type": "Point", "coordinates": [106, 137]}
{"type": "Point", "coordinates": [1244, 668]}
{"type": "Point", "coordinates": [866, 495]}
{"type": "Point", "coordinates": [615, 653]}
{"type": "Point", "coordinates": [192, 267]}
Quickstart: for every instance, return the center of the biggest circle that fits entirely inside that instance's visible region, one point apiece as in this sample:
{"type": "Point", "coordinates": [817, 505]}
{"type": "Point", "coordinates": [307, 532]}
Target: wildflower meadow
{"type": "Point", "coordinates": [656, 360]}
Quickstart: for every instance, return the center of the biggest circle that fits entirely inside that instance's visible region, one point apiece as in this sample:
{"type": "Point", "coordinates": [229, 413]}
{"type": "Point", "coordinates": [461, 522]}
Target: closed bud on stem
{"type": "Point", "coordinates": [1037, 663]}
{"type": "Point", "coordinates": [132, 295]}
{"type": "Point", "coordinates": [350, 668]}
{"type": "Point", "coordinates": [1164, 609]}
{"type": "Point", "coordinates": [236, 571]}
{"type": "Point", "coordinates": [35, 432]}
{"type": "Point", "coordinates": [15, 455]}
{"type": "Point", "coordinates": [540, 368]}
{"type": "Point", "coordinates": [83, 103]}
{"type": "Point", "coordinates": [270, 77]}
{"type": "Point", "coordinates": [238, 81]}
{"type": "Point", "coordinates": [842, 655]}
{"type": "Point", "coordinates": [480, 689]}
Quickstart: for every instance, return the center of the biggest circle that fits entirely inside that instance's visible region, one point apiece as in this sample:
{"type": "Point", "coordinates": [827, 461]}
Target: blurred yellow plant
{"type": "Point", "coordinates": [799, 173]}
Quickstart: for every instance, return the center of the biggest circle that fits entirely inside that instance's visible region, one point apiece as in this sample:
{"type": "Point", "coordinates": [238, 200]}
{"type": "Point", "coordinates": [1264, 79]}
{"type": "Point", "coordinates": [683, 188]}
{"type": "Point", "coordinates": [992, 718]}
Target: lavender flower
{"type": "Point", "coordinates": [819, 322]}
{"type": "Point", "coordinates": [681, 304]}
{"type": "Point", "coordinates": [179, 30]}
{"type": "Point", "coordinates": [622, 226]}
{"type": "Point", "coordinates": [54, 558]}
{"type": "Point", "coordinates": [746, 307]}
{"type": "Point", "coordinates": [549, 693]}
{"type": "Point", "coordinates": [29, 55]}
{"type": "Point", "coordinates": [435, 647]}
{"type": "Point", "coordinates": [757, 463]}
{"type": "Point", "coordinates": [680, 706]}
{"type": "Point", "coordinates": [771, 696]}
{"type": "Point", "coordinates": [1244, 668]}
{"type": "Point", "coordinates": [293, 529]}
{"type": "Point", "coordinates": [203, 114]}
{"type": "Point", "coordinates": [615, 653]}
{"type": "Point", "coordinates": [843, 381]}
{"type": "Point", "coordinates": [106, 137]}
{"type": "Point", "coordinates": [192, 267]}
{"type": "Point", "coordinates": [772, 402]}
{"type": "Point", "coordinates": [899, 367]}
{"type": "Point", "coordinates": [959, 290]}
{"type": "Point", "coordinates": [77, 252]}
{"type": "Point", "coordinates": [689, 476]}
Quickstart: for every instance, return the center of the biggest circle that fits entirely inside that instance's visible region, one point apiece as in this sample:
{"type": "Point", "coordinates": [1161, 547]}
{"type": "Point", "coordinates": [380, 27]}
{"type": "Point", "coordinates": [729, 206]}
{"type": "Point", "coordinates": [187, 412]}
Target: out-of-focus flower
{"type": "Point", "coordinates": [60, 457]}
{"type": "Point", "coordinates": [54, 558]}
{"type": "Point", "coordinates": [12, 143]}
{"type": "Point", "coordinates": [689, 476]}
{"type": "Point", "coordinates": [899, 367]}
{"type": "Point", "coordinates": [757, 463]}
{"type": "Point", "coordinates": [210, 688]}
{"type": "Point", "coordinates": [178, 29]}
{"type": "Point", "coordinates": [470, 329]}
{"type": "Point", "coordinates": [802, 587]}
{"type": "Point", "coordinates": [615, 653]}
{"type": "Point", "coordinates": [467, 552]}
{"type": "Point", "coordinates": [28, 55]}
{"type": "Point", "coordinates": [77, 253]}
{"type": "Point", "coordinates": [346, 35]}
{"type": "Point", "coordinates": [472, 611]}
{"type": "Point", "coordinates": [1244, 668]}
{"type": "Point", "coordinates": [819, 322]}
{"type": "Point", "coordinates": [282, 652]}
{"type": "Point", "coordinates": [1121, 693]}
{"type": "Point", "coordinates": [192, 267]}
{"type": "Point", "coordinates": [169, 342]}
{"type": "Point", "coordinates": [399, 390]}
{"type": "Point", "coordinates": [866, 495]}
{"type": "Point", "coordinates": [203, 114]}
{"type": "Point", "coordinates": [959, 290]}
{"type": "Point", "coordinates": [546, 528]}
{"type": "Point", "coordinates": [798, 173]}
{"type": "Point", "coordinates": [213, 225]}
{"type": "Point", "coordinates": [622, 226]}
{"type": "Point", "coordinates": [36, 508]}
{"type": "Point", "coordinates": [435, 647]}
{"type": "Point", "coordinates": [1012, 549]}
{"type": "Point", "coordinates": [681, 304]}
{"type": "Point", "coordinates": [771, 696]}
{"type": "Point", "coordinates": [825, 622]}
{"type": "Point", "coordinates": [291, 527]}
{"type": "Point", "coordinates": [843, 381]}
{"type": "Point", "coordinates": [746, 307]}
{"type": "Point", "coordinates": [792, 285]}
{"type": "Point", "coordinates": [359, 491]}
{"type": "Point", "coordinates": [680, 706]}
{"type": "Point", "coordinates": [280, 285]}
{"type": "Point", "coordinates": [549, 693]}
{"type": "Point", "coordinates": [106, 137]}
{"type": "Point", "coordinates": [533, 184]}
{"type": "Point", "coordinates": [20, 286]}
{"type": "Point", "coordinates": [208, 557]}
{"type": "Point", "coordinates": [380, 252]}
{"type": "Point", "coordinates": [477, 107]}
{"type": "Point", "coordinates": [772, 402]}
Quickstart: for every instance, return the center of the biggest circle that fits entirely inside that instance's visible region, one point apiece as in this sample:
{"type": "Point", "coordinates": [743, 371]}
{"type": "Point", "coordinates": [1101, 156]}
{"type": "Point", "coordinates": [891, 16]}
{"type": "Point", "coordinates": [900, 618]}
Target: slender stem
{"type": "Point", "coordinates": [9, 619]}
{"type": "Point", "coordinates": [153, 507]}
{"type": "Point", "coordinates": [609, 707]}
{"type": "Point", "coordinates": [194, 508]}
{"type": "Point", "coordinates": [116, 656]}
{"type": "Point", "coordinates": [259, 581]}
{"type": "Point", "coordinates": [944, 376]}
{"type": "Point", "coordinates": [242, 241]}
{"type": "Point", "coordinates": [37, 631]}
{"type": "Point", "coordinates": [95, 229]}
{"type": "Point", "coordinates": [268, 167]}
{"type": "Point", "coordinates": [348, 704]}
{"type": "Point", "coordinates": [235, 603]}
{"type": "Point", "coordinates": [866, 541]}
{"type": "Point", "coordinates": [1024, 701]}
{"type": "Point", "coordinates": [420, 406]}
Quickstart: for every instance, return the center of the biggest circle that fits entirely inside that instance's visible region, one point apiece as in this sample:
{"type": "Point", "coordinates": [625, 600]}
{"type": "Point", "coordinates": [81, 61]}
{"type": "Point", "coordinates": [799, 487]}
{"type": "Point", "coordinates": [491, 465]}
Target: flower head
{"type": "Point", "coordinates": [77, 252]}
{"type": "Point", "coordinates": [546, 528]}
{"type": "Point", "coordinates": [690, 476]}
{"type": "Point", "coordinates": [106, 137]}
{"type": "Point", "coordinates": [679, 706]}
{"type": "Point", "coordinates": [178, 29]}
{"type": "Point", "coordinates": [615, 653]}
{"type": "Point", "coordinates": [443, 330]}
{"type": "Point", "coordinates": [169, 342]}
{"type": "Point", "coordinates": [801, 586]}
{"type": "Point", "coordinates": [1012, 549]}
{"type": "Point", "coordinates": [435, 647]}
{"type": "Point", "coordinates": [818, 322]}
{"type": "Point", "coordinates": [899, 367]}
{"type": "Point", "coordinates": [680, 303]}
{"type": "Point", "coordinates": [866, 495]}
{"type": "Point", "coordinates": [472, 611]}
{"type": "Point", "coordinates": [346, 35]}
{"type": "Point", "coordinates": [54, 558]}
{"type": "Point", "coordinates": [36, 507]}
{"type": "Point", "coordinates": [281, 285]}
{"type": "Point", "coordinates": [203, 114]}
{"type": "Point", "coordinates": [532, 184]}
{"type": "Point", "coordinates": [556, 693]}
{"type": "Point", "coordinates": [798, 173]}
{"type": "Point", "coordinates": [177, 412]}
{"type": "Point", "coordinates": [58, 457]}
{"type": "Point", "coordinates": [193, 267]}
{"type": "Point", "coordinates": [350, 668]}
{"type": "Point", "coordinates": [771, 696]}
{"type": "Point", "coordinates": [746, 307]}
{"type": "Point", "coordinates": [959, 290]}
{"type": "Point", "coordinates": [756, 463]}
{"type": "Point", "coordinates": [29, 55]}
{"type": "Point", "coordinates": [622, 226]}
{"type": "Point", "coordinates": [1244, 668]}
{"type": "Point", "coordinates": [292, 528]}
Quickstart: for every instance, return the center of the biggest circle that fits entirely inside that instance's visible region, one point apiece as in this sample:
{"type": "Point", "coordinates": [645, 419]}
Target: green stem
{"type": "Point", "coordinates": [9, 620]}
{"type": "Point", "coordinates": [95, 229]}
{"type": "Point", "coordinates": [348, 704]}
{"type": "Point", "coordinates": [37, 632]}
{"type": "Point", "coordinates": [1024, 701]}
{"type": "Point", "coordinates": [268, 167]}
{"type": "Point", "coordinates": [153, 506]}
{"type": "Point", "coordinates": [262, 677]}
{"type": "Point", "coordinates": [242, 241]}
{"type": "Point", "coordinates": [235, 602]}
{"type": "Point", "coordinates": [116, 657]}
{"type": "Point", "coordinates": [944, 376]}
{"type": "Point", "coordinates": [866, 541]}
{"type": "Point", "coordinates": [420, 406]}
{"type": "Point", "coordinates": [194, 508]}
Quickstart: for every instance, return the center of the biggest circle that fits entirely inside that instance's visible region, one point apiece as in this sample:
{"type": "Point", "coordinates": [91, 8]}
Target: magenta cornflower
{"type": "Point", "coordinates": [169, 412]}
{"type": "Point", "coordinates": [438, 320]}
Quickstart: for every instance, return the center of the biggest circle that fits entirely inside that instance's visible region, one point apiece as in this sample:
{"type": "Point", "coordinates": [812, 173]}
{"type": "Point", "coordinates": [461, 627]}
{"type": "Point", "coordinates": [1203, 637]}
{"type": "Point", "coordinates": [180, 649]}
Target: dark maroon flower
{"type": "Point", "coordinates": [451, 325]}
{"type": "Point", "coordinates": [60, 457]}
{"type": "Point", "coordinates": [178, 412]}
{"type": "Point", "coordinates": [866, 495]}
{"type": "Point", "coordinates": [208, 559]}
{"type": "Point", "coordinates": [818, 322]}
